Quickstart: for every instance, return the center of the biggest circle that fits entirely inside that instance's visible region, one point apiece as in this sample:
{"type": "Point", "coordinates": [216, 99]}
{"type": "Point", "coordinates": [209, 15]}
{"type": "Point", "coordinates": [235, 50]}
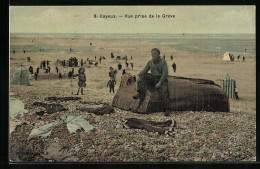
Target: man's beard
{"type": "Point", "coordinates": [156, 60]}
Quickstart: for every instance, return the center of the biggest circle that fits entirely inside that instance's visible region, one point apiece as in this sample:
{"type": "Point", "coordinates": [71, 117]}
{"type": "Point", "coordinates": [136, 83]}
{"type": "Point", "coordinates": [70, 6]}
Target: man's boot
{"type": "Point", "coordinates": [82, 91]}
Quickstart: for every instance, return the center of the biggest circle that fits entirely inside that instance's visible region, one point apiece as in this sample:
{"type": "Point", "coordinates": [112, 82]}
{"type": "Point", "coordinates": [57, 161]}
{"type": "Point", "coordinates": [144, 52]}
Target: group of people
{"type": "Point", "coordinates": [244, 58]}
{"type": "Point", "coordinates": [43, 65]}
{"type": "Point", "coordinates": [232, 57]}
{"type": "Point", "coordinates": [73, 61]}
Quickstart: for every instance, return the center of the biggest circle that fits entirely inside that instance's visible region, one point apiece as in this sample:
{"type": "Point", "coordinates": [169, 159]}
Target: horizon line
{"type": "Point", "coordinates": [119, 33]}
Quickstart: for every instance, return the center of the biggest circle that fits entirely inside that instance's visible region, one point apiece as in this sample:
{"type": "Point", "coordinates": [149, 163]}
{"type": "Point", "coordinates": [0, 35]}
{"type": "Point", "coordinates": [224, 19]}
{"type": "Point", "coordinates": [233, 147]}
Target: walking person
{"type": "Point", "coordinates": [37, 70]}
{"type": "Point", "coordinates": [111, 83]}
{"type": "Point", "coordinates": [57, 70]}
{"type": "Point", "coordinates": [31, 69]}
{"type": "Point", "coordinates": [174, 67]}
{"type": "Point", "coordinates": [132, 65]}
{"type": "Point", "coordinates": [81, 62]}
{"type": "Point", "coordinates": [49, 69]}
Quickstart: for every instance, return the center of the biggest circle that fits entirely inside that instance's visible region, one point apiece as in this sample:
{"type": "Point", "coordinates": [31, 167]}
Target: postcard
{"type": "Point", "coordinates": [132, 83]}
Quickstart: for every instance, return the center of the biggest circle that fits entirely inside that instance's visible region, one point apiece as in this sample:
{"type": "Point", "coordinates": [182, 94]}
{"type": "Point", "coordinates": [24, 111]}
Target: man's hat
{"type": "Point", "coordinates": [156, 49]}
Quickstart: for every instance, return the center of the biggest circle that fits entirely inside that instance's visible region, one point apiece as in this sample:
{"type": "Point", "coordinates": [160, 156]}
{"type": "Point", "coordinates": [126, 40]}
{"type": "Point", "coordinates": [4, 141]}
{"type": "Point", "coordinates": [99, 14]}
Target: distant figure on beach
{"type": "Point", "coordinates": [245, 49]}
{"type": "Point", "coordinates": [103, 57]}
{"type": "Point", "coordinates": [171, 57]}
{"type": "Point", "coordinates": [111, 83]}
{"type": "Point", "coordinates": [95, 58]}
{"type": "Point", "coordinates": [60, 76]}
{"type": "Point", "coordinates": [123, 72]}
{"type": "Point", "coordinates": [238, 57]}
{"type": "Point", "coordinates": [57, 70]}
{"type": "Point", "coordinates": [70, 50]}
{"type": "Point", "coordinates": [232, 57]}
{"type": "Point", "coordinates": [119, 66]}
{"type": "Point", "coordinates": [37, 70]}
{"type": "Point", "coordinates": [174, 67]}
{"type": "Point", "coordinates": [47, 63]}
{"type": "Point", "coordinates": [49, 69]}
{"type": "Point", "coordinates": [31, 69]}
{"type": "Point", "coordinates": [87, 59]}
{"type": "Point", "coordinates": [112, 55]}
{"type": "Point", "coordinates": [96, 64]}
{"type": "Point", "coordinates": [126, 63]}
{"type": "Point", "coordinates": [131, 57]}
{"type": "Point", "coordinates": [81, 62]}
{"type": "Point", "coordinates": [236, 94]}
{"type": "Point", "coordinates": [164, 56]}
{"type": "Point", "coordinates": [35, 76]}
{"type": "Point", "coordinates": [82, 80]}
{"type": "Point", "coordinates": [23, 51]}
{"type": "Point", "coordinates": [132, 65]}
{"type": "Point", "coordinates": [244, 59]}
{"type": "Point", "coordinates": [28, 59]}
{"type": "Point", "coordinates": [100, 60]}
{"type": "Point", "coordinates": [43, 64]}
{"type": "Point", "coordinates": [13, 51]}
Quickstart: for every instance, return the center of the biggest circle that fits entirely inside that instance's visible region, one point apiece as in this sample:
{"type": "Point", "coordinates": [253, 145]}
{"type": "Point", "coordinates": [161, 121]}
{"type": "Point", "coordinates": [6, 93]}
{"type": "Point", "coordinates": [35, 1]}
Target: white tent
{"type": "Point", "coordinates": [21, 76]}
{"type": "Point", "coordinates": [226, 56]}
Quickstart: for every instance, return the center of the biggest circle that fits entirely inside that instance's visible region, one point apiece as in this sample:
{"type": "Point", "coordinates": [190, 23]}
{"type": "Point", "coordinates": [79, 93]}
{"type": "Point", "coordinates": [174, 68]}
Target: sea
{"type": "Point", "coordinates": [236, 44]}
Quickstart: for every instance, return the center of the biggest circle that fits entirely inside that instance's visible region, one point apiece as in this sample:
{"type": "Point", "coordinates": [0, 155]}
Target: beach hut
{"type": "Point", "coordinates": [186, 94]}
{"type": "Point", "coordinates": [229, 85]}
{"type": "Point", "coordinates": [226, 56]}
{"type": "Point", "coordinates": [21, 76]}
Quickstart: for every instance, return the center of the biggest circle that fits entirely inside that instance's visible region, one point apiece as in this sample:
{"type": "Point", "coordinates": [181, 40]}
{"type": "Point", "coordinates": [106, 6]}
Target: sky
{"type": "Point", "coordinates": [80, 19]}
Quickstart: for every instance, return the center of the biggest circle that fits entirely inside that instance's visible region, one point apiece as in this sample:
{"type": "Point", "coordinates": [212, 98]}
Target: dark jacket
{"type": "Point", "coordinates": [111, 83]}
{"type": "Point", "coordinates": [82, 79]}
{"type": "Point", "coordinates": [157, 69]}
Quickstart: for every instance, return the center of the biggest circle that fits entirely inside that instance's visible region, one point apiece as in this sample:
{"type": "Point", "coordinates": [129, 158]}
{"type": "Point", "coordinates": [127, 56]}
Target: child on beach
{"type": "Point", "coordinates": [111, 83]}
{"type": "Point", "coordinates": [82, 80]}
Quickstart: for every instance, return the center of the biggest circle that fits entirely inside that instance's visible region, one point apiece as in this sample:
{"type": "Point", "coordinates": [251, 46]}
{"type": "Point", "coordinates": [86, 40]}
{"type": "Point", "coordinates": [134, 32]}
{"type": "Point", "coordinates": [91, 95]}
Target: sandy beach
{"type": "Point", "coordinates": [199, 136]}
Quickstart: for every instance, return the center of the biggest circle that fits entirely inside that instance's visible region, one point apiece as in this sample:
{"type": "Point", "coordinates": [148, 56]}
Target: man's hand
{"type": "Point", "coordinates": [158, 85]}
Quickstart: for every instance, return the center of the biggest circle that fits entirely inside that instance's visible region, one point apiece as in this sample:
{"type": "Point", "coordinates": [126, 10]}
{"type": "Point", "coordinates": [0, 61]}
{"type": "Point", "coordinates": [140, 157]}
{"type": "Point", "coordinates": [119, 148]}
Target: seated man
{"type": "Point", "coordinates": [157, 79]}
